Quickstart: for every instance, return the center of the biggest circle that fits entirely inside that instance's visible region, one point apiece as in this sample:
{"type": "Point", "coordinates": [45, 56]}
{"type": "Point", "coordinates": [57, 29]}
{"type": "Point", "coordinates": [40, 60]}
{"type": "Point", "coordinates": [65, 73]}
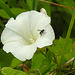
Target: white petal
{"type": "Point", "coordinates": [30, 50]}
{"type": "Point", "coordinates": [38, 21]}
{"type": "Point", "coordinates": [9, 35]}
{"type": "Point", "coordinates": [20, 26]}
{"type": "Point", "coordinates": [10, 46]}
{"type": "Point", "coordinates": [46, 38]}
{"type": "Point", "coordinates": [19, 50]}
{"type": "Point", "coordinates": [23, 21]}
{"type": "Point", "coordinates": [13, 25]}
{"type": "Point", "coordinates": [28, 23]}
{"type": "Point", "coordinates": [31, 21]}
{"type": "Point", "coordinates": [19, 34]}
{"type": "Point", "coordinates": [49, 32]}
{"type": "Point", "coordinates": [42, 42]}
{"type": "Point", "coordinates": [16, 49]}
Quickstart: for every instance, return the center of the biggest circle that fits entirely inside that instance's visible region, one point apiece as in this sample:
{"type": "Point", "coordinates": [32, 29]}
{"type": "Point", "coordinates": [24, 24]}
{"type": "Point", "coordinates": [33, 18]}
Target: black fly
{"type": "Point", "coordinates": [41, 31]}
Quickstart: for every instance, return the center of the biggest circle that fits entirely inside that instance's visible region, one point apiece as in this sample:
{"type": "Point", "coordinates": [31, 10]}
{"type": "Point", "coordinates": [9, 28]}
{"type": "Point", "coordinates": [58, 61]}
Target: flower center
{"type": "Point", "coordinates": [32, 40]}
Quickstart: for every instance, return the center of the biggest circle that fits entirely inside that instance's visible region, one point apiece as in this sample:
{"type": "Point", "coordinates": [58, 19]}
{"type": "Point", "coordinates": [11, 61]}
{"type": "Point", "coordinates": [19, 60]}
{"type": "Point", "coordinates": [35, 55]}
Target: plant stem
{"type": "Point", "coordinates": [57, 4]}
{"type": "Point", "coordinates": [71, 25]}
{"type": "Point", "coordinates": [67, 37]}
{"type": "Point", "coordinates": [36, 2]}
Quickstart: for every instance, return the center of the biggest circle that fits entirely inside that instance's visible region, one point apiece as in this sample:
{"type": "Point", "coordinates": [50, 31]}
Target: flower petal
{"type": "Point", "coordinates": [49, 32]}
{"type": "Point", "coordinates": [38, 21]}
{"type": "Point", "coordinates": [30, 50]}
{"type": "Point", "coordinates": [20, 26]}
{"type": "Point", "coordinates": [21, 36]}
{"type": "Point", "coordinates": [28, 23]}
{"type": "Point", "coordinates": [23, 21]}
{"type": "Point", "coordinates": [46, 38]}
{"type": "Point", "coordinates": [41, 42]}
{"type": "Point", "coordinates": [13, 25]}
{"type": "Point", "coordinates": [9, 35]}
{"type": "Point", "coordinates": [19, 50]}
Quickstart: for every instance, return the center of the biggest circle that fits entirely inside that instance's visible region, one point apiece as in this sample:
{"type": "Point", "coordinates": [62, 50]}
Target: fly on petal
{"type": "Point", "coordinates": [29, 31]}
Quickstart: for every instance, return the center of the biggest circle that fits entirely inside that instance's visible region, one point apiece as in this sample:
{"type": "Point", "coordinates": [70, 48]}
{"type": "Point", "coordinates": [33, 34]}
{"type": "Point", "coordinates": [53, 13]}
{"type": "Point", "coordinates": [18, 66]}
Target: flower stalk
{"type": "Point", "coordinates": [71, 25]}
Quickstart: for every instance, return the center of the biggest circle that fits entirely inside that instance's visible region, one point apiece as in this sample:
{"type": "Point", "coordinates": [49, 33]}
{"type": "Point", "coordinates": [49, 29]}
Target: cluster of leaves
{"type": "Point", "coordinates": [47, 60]}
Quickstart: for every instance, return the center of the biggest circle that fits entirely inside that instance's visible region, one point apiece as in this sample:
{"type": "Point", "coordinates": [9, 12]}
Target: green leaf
{"type": "Point", "coordinates": [30, 4]}
{"type": "Point", "coordinates": [40, 63]}
{"type": "Point", "coordinates": [4, 0]}
{"type": "Point", "coordinates": [30, 74]}
{"type": "Point", "coordinates": [70, 3]}
{"type": "Point", "coordinates": [37, 60]}
{"type": "Point", "coordinates": [23, 4]}
{"type": "Point", "coordinates": [46, 63]}
{"type": "Point", "coordinates": [73, 53]}
{"type": "Point", "coordinates": [3, 14]}
{"type": "Point", "coordinates": [12, 3]}
{"type": "Point", "coordinates": [5, 58]}
{"type": "Point", "coordinates": [10, 71]}
{"type": "Point", "coordinates": [1, 73]}
{"type": "Point", "coordinates": [13, 64]}
{"type": "Point", "coordinates": [15, 11]}
{"type": "Point", "coordinates": [6, 9]}
{"type": "Point", "coordinates": [58, 46]}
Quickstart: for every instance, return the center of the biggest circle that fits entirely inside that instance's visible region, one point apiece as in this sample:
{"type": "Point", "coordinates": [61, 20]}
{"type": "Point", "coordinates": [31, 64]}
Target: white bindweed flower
{"type": "Point", "coordinates": [28, 31]}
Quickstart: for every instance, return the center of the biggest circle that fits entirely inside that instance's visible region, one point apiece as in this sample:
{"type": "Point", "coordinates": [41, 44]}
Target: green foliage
{"type": "Point", "coordinates": [5, 59]}
{"type": "Point", "coordinates": [4, 14]}
{"type": "Point", "coordinates": [50, 58]}
{"type": "Point", "coordinates": [36, 4]}
{"type": "Point", "coordinates": [30, 4]}
{"type": "Point", "coordinates": [42, 63]}
{"type": "Point", "coordinates": [6, 9]}
{"type": "Point", "coordinates": [15, 11]}
{"type": "Point", "coordinates": [58, 46]}
{"type": "Point", "coordinates": [70, 3]}
{"type": "Point", "coordinates": [37, 60]}
{"type": "Point", "coordinates": [12, 3]}
{"type": "Point", "coordinates": [13, 64]}
{"type": "Point", "coordinates": [10, 71]}
{"type": "Point", "coordinates": [46, 63]}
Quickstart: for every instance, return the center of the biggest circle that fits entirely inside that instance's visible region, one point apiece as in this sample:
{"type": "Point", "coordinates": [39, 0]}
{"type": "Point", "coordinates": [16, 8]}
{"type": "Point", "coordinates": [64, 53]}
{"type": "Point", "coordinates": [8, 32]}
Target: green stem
{"type": "Point", "coordinates": [71, 25]}
{"type": "Point", "coordinates": [67, 37]}
{"type": "Point", "coordinates": [60, 65]}
{"type": "Point", "coordinates": [36, 2]}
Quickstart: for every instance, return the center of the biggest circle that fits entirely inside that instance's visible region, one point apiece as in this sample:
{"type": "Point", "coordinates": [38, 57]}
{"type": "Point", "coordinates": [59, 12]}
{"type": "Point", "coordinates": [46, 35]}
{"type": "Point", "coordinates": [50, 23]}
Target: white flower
{"type": "Point", "coordinates": [28, 31]}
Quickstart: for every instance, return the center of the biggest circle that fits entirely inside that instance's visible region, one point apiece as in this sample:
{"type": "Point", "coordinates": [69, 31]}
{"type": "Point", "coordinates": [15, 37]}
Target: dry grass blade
{"type": "Point", "coordinates": [58, 4]}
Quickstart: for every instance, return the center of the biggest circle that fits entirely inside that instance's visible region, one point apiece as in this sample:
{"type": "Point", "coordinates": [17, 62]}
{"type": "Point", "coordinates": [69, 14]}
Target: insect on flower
{"type": "Point", "coordinates": [29, 31]}
{"type": "Point", "coordinates": [41, 31]}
